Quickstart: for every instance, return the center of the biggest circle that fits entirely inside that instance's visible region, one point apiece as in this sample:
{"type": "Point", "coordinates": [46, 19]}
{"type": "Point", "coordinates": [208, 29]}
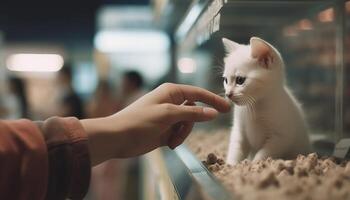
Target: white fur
{"type": "Point", "coordinates": [268, 121]}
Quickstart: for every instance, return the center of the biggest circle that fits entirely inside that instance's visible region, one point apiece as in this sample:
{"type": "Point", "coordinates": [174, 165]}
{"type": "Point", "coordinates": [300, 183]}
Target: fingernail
{"type": "Point", "coordinates": [210, 111]}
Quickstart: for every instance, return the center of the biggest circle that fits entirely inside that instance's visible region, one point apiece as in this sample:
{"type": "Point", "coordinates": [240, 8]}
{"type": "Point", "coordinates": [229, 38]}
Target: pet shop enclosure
{"type": "Point", "coordinates": [313, 37]}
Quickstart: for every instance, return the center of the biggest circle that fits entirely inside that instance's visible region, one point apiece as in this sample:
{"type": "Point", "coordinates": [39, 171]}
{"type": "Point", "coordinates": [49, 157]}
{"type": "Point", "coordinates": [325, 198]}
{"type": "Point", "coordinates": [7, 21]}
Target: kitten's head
{"type": "Point", "coordinates": [251, 71]}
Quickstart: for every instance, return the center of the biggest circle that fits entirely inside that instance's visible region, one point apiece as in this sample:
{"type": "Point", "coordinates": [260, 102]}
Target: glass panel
{"type": "Point", "coordinates": [347, 72]}
{"type": "Point", "coordinates": [309, 35]}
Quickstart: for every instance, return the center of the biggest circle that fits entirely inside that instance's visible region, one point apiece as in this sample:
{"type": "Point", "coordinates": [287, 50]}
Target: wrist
{"type": "Point", "coordinates": [103, 138]}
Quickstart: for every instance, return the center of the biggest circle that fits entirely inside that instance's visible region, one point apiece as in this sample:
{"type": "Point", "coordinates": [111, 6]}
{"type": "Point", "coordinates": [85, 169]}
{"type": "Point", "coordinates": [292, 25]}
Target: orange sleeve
{"type": "Point", "coordinates": [43, 160]}
{"type": "Point", "coordinates": [68, 158]}
{"type": "Point", "coordinates": [23, 161]}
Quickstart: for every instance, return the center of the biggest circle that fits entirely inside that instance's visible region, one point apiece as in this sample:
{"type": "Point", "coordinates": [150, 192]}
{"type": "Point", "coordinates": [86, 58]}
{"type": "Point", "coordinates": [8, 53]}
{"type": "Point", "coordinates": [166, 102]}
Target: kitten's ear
{"type": "Point", "coordinates": [229, 45]}
{"type": "Point", "coordinates": [262, 51]}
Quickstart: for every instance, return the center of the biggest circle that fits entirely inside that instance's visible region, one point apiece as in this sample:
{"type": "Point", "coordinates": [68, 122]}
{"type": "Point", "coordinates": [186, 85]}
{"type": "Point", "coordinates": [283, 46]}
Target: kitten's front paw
{"type": "Point", "coordinates": [262, 155]}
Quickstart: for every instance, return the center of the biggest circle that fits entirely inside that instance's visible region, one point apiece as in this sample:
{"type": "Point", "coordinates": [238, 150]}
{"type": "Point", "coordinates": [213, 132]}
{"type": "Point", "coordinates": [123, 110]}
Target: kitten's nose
{"type": "Point", "coordinates": [229, 95]}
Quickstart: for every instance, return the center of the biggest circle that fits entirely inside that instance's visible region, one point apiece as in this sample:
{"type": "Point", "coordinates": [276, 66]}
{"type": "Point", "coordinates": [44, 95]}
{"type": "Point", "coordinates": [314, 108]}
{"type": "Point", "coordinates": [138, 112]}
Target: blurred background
{"type": "Point", "coordinates": [93, 58]}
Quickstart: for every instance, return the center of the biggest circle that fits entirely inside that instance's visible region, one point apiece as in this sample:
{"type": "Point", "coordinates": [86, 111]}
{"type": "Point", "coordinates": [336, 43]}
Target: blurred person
{"type": "Point", "coordinates": [14, 102]}
{"type": "Point", "coordinates": [105, 179]}
{"type": "Point", "coordinates": [17, 87]}
{"type": "Point", "coordinates": [132, 87]}
{"type": "Point", "coordinates": [3, 110]}
{"type": "Point", "coordinates": [53, 159]}
{"type": "Point", "coordinates": [103, 184]}
{"type": "Point", "coordinates": [103, 102]}
{"type": "Point", "coordinates": [10, 106]}
{"type": "Point", "coordinates": [69, 101]}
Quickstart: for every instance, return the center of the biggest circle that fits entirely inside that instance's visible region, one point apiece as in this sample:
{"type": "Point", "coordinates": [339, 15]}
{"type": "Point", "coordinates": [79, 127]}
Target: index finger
{"type": "Point", "coordinates": [191, 93]}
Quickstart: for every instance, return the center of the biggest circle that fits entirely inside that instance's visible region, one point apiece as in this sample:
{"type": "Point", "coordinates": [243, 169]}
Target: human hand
{"type": "Point", "coordinates": [157, 119]}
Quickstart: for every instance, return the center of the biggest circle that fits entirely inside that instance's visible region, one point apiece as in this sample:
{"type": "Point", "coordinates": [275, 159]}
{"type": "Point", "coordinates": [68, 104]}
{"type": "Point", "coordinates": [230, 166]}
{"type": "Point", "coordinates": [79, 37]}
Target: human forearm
{"type": "Point", "coordinates": [112, 137]}
{"type": "Point", "coordinates": [101, 140]}
{"type": "Point", "coordinates": [118, 136]}
{"type": "Point", "coordinates": [157, 119]}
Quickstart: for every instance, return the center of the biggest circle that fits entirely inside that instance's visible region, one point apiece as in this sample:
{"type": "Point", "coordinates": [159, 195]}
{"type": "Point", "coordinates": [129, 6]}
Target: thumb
{"type": "Point", "coordinates": [194, 113]}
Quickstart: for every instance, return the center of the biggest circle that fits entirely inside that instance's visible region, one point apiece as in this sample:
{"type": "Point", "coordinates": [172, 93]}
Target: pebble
{"type": "Point", "coordinates": [211, 159]}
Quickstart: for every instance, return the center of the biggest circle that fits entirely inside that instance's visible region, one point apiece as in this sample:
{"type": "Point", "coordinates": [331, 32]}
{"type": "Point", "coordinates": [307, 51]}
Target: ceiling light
{"type": "Point", "coordinates": [35, 62]}
{"type": "Point", "coordinates": [131, 41]}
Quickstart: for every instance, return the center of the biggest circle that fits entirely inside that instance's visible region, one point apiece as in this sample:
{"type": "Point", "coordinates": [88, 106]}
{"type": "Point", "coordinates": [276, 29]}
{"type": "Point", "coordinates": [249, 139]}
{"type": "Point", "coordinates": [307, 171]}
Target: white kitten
{"type": "Point", "coordinates": [268, 120]}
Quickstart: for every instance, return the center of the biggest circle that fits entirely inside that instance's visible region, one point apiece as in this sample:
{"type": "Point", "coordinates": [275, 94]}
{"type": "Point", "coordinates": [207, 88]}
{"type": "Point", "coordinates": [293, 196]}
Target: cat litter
{"type": "Point", "coordinates": [304, 178]}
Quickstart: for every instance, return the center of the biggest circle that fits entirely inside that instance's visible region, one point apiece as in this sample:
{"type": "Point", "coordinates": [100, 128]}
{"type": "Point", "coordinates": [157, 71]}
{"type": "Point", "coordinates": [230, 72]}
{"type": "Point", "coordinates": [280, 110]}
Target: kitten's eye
{"type": "Point", "coordinates": [240, 80]}
{"type": "Point", "coordinates": [225, 80]}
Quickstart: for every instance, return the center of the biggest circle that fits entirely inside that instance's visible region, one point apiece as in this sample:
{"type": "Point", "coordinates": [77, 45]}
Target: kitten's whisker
{"type": "Point", "coordinates": [239, 99]}
{"type": "Point", "coordinates": [252, 99]}
{"type": "Point", "coordinates": [251, 106]}
{"type": "Point", "coordinates": [250, 109]}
